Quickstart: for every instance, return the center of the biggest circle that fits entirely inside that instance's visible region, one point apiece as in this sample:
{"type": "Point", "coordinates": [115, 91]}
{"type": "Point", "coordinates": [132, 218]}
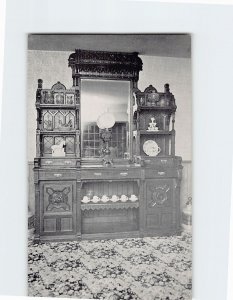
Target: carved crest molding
{"type": "Point", "coordinates": [103, 64]}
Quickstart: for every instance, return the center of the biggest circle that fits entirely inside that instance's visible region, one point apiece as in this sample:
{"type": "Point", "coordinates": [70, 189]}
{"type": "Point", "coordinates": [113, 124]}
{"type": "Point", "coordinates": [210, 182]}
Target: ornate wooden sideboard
{"type": "Point", "coordinates": [105, 163]}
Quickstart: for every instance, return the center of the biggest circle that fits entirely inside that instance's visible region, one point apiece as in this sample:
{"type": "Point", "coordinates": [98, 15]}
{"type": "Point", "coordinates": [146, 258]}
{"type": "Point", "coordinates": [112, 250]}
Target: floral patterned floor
{"type": "Point", "coordinates": [157, 268]}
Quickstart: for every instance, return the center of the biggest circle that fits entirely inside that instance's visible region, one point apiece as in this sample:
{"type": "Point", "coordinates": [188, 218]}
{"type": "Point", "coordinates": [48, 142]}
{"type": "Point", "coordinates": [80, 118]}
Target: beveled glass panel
{"type": "Point", "coordinates": [47, 144]}
{"type": "Point", "coordinates": [58, 140]}
{"type": "Point", "coordinates": [97, 98]}
{"type": "Point", "coordinates": [70, 145]}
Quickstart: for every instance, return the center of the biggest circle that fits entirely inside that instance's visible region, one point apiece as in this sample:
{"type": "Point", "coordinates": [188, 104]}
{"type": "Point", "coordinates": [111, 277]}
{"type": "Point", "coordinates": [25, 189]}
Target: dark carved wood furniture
{"type": "Point", "coordinates": [139, 193]}
{"type": "Point", "coordinates": [57, 179]}
{"type": "Point", "coordinates": [154, 121]}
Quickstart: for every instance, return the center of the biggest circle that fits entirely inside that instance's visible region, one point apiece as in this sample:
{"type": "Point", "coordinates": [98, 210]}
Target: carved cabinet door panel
{"type": "Point", "coordinates": [58, 207]}
{"type": "Point", "coordinates": [161, 206]}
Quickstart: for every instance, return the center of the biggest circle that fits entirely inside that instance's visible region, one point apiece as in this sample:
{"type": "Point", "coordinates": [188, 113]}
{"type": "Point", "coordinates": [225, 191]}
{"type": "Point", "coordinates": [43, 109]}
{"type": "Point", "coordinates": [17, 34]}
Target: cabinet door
{"type": "Point", "coordinates": [161, 206]}
{"type": "Point", "coordinates": [58, 207]}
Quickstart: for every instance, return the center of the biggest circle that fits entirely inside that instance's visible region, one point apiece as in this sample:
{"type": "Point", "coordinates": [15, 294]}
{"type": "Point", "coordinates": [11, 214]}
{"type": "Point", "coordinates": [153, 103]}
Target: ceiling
{"type": "Point", "coordinates": [169, 45]}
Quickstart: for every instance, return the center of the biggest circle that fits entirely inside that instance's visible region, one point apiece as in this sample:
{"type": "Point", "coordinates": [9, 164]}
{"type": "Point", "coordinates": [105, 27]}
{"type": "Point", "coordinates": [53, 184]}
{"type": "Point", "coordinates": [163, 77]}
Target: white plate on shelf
{"type": "Point", "coordinates": [151, 148]}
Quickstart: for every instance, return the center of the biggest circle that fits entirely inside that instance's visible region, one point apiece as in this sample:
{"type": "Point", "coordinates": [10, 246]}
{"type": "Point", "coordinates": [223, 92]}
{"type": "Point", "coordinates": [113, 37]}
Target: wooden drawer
{"type": "Point", "coordinates": [57, 175]}
{"type": "Point", "coordinates": [110, 174]}
{"type": "Point", "coordinates": [148, 162]}
{"type": "Point", "coordinates": [64, 162]}
{"type": "Point", "coordinates": [164, 162]}
{"type": "Point", "coordinates": [155, 173]}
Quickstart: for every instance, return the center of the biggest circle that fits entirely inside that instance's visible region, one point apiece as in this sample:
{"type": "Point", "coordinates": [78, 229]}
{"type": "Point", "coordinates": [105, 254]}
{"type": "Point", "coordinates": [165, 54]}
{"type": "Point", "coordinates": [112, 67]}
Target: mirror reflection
{"type": "Point", "coordinates": [105, 107]}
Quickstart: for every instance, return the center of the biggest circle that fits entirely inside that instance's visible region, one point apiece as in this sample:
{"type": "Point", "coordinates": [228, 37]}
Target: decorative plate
{"type": "Point", "coordinates": [151, 148]}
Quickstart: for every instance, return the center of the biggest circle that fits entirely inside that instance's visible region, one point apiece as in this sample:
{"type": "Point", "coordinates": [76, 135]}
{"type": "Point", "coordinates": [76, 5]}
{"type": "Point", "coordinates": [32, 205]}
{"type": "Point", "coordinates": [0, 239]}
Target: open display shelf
{"type": "Point", "coordinates": [106, 216]}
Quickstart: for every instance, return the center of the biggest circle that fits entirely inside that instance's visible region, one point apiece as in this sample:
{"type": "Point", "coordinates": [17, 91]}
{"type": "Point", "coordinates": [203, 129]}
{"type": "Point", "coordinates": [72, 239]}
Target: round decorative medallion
{"type": "Point", "coordinates": [159, 196]}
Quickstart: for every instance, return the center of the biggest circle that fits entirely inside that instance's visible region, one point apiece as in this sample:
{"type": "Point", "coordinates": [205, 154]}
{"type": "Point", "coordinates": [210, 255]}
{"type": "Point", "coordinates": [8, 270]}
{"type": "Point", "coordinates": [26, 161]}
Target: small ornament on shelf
{"type": "Point", "coordinates": [85, 199]}
{"type": "Point", "coordinates": [114, 198]}
{"type": "Point", "coordinates": [105, 198]}
{"type": "Point", "coordinates": [152, 125]}
{"type": "Point", "coordinates": [133, 198]}
{"type": "Point", "coordinates": [124, 198]}
{"type": "Point", "coordinates": [59, 150]}
{"type": "Point", "coordinates": [95, 199]}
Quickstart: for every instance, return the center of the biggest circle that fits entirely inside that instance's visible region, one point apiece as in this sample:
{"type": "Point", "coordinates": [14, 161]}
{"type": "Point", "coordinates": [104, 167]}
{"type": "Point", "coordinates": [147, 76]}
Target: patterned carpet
{"type": "Point", "coordinates": [157, 268]}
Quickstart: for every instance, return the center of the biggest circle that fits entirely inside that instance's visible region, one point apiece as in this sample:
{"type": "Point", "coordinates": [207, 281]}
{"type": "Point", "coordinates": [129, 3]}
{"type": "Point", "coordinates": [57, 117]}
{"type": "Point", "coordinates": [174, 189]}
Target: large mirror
{"type": "Point", "coordinates": [105, 105]}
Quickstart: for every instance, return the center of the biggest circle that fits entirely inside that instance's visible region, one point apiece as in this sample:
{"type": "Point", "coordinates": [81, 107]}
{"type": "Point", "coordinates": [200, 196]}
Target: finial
{"type": "Point", "coordinates": [40, 81]}
{"type": "Point", "coordinates": [166, 88]}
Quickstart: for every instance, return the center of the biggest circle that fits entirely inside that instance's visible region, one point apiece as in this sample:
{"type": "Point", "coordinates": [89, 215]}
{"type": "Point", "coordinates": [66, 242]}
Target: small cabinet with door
{"type": "Point", "coordinates": [162, 212]}
{"type": "Point", "coordinates": [57, 181]}
{"type": "Point", "coordinates": [154, 120]}
{"type": "Point", "coordinates": [57, 207]}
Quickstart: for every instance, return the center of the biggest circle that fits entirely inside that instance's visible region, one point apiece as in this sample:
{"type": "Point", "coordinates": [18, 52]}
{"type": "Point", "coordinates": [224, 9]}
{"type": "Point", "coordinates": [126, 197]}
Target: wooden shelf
{"type": "Point", "coordinates": [49, 132]}
{"type": "Point", "coordinates": [160, 132]}
{"type": "Point", "coordinates": [145, 107]}
{"type": "Point", "coordinates": [60, 106]}
{"type": "Point", "coordinates": [98, 206]}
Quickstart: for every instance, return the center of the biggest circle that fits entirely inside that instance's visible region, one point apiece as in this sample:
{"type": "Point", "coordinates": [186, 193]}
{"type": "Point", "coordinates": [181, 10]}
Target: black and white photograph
{"type": "Point", "coordinates": [109, 150]}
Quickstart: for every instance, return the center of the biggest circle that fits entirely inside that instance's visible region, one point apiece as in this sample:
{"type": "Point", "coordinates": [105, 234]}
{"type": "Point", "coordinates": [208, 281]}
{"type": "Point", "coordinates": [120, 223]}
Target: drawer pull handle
{"type": "Point", "coordinates": [67, 162]}
{"type": "Point", "coordinates": [57, 175]}
{"type": "Point", "coordinates": [161, 173]}
{"type": "Point", "coordinates": [97, 174]}
{"type": "Point", "coordinates": [48, 162]}
{"type": "Point", "coordinates": [124, 174]}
